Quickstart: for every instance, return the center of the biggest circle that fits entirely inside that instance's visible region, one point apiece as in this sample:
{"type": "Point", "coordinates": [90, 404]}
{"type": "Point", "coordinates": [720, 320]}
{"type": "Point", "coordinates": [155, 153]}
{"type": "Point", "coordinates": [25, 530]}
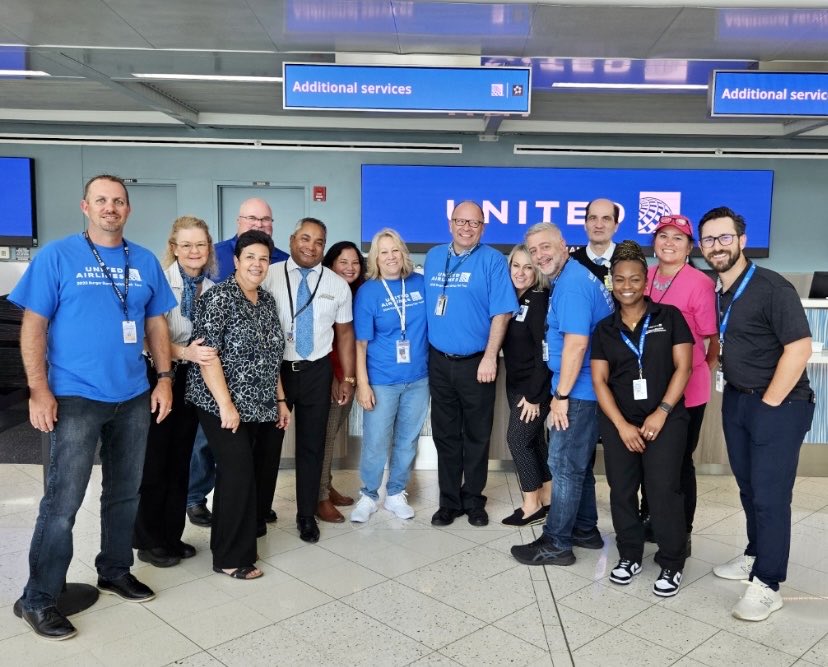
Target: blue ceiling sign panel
{"type": "Point", "coordinates": [773, 94]}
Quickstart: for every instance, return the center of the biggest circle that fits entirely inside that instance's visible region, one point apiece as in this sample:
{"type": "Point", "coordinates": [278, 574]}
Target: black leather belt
{"type": "Point", "coordinates": [457, 357]}
{"type": "Point", "coordinates": [301, 364]}
{"type": "Point", "coordinates": [745, 390]}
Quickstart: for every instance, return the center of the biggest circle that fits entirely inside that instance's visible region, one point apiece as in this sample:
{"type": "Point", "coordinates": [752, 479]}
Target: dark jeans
{"type": "Point", "coordinates": [163, 504]}
{"type": "Point", "coordinates": [763, 445]}
{"type": "Point", "coordinates": [688, 469]}
{"type": "Point", "coordinates": [202, 471]}
{"type": "Point", "coordinates": [462, 410]}
{"type": "Point", "coordinates": [122, 429]}
{"type": "Point", "coordinates": [659, 468]}
{"type": "Point", "coordinates": [244, 469]}
{"type": "Point", "coordinates": [308, 395]}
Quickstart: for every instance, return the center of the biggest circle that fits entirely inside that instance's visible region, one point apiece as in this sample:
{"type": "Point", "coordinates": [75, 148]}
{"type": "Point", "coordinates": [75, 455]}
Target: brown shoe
{"type": "Point", "coordinates": [338, 499]}
{"type": "Point", "coordinates": [326, 511]}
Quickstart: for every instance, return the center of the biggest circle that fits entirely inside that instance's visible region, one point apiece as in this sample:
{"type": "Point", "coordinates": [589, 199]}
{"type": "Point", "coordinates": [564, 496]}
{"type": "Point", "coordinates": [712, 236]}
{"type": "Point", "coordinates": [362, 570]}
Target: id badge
{"type": "Point", "coordinates": [545, 351]}
{"type": "Point", "coordinates": [720, 382]}
{"type": "Point", "coordinates": [403, 352]}
{"type": "Point", "coordinates": [522, 314]}
{"type": "Point", "coordinates": [130, 331]}
{"type": "Point", "coordinates": [640, 389]}
{"type": "Point", "coordinates": [608, 282]}
{"type": "Point", "coordinates": [440, 308]}
{"type": "Point", "coordinates": [290, 336]}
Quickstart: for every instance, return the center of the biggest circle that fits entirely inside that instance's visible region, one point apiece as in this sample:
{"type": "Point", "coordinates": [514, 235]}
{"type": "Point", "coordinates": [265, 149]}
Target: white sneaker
{"type": "Point", "coordinates": [364, 509]}
{"type": "Point", "coordinates": [738, 570]}
{"type": "Point", "coordinates": [623, 573]}
{"type": "Point", "coordinates": [398, 505]}
{"type": "Point", "coordinates": [758, 602]}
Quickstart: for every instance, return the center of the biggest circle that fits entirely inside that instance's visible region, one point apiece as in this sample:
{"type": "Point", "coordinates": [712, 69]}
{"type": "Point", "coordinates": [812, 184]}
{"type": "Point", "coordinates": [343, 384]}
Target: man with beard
{"type": "Point", "coordinates": [767, 406]}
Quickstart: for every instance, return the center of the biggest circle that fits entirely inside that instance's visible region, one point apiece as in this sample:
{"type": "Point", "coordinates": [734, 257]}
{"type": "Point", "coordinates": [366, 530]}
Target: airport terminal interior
{"type": "Point", "coordinates": [190, 102]}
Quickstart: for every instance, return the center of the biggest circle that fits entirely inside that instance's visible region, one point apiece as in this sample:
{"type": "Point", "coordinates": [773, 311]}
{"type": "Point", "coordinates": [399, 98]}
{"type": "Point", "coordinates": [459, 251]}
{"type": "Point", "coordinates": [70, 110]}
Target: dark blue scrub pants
{"type": "Point", "coordinates": [763, 444]}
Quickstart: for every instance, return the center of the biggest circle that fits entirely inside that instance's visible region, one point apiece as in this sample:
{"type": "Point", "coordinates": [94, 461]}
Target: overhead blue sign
{"type": "Point", "coordinates": [514, 198]}
{"type": "Point", "coordinates": [775, 94]}
{"type": "Point", "coordinates": [771, 26]}
{"type": "Point", "coordinates": [410, 89]}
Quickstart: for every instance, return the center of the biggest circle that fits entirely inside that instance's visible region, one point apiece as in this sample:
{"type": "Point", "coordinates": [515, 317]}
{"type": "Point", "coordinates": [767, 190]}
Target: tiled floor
{"type": "Point", "coordinates": [398, 592]}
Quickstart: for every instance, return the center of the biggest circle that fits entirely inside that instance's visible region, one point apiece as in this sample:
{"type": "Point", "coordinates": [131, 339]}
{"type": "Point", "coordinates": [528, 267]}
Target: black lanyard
{"type": "Point", "coordinates": [293, 315]}
{"type": "Point", "coordinates": [122, 296]}
{"type": "Point", "coordinates": [446, 273]}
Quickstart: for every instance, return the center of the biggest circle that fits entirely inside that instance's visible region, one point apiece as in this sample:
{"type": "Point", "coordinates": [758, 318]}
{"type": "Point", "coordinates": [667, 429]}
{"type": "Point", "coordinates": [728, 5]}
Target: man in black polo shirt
{"type": "Point", "coordinates": [767, 405]}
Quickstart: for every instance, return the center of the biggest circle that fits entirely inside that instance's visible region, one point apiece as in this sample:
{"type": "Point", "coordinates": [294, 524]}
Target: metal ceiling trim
{"type": "Point", "coordinates": [237, 144]}
{"type": "Point", "coordinates": [664, 151]}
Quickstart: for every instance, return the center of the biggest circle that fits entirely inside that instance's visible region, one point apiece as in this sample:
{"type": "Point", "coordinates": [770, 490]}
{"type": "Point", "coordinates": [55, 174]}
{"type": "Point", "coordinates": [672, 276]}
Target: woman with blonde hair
{"type": "Point", "coordinates": [159, 524]}
{"type": "Point", "coordinates": [391, 371]}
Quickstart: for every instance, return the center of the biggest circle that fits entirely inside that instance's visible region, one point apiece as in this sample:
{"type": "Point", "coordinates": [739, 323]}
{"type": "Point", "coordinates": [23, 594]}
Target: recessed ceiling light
{"type": "Point", "coordinates": [23, 72]}
{"type": "Point", "coordinates": [207, 77]}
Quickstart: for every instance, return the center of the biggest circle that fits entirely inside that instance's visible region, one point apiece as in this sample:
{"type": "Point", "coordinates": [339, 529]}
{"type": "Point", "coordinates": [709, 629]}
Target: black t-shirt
{"type": "Point", "coordinates": [526, 372]}
{"type": "Point", "coordinates": [667, 327]}
{"type": "Point", "coordinates": [766, 317]}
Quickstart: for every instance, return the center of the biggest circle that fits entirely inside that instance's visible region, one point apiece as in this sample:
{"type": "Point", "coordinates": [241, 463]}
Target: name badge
{"type": "Point", "coordinates": [545, 351]}
{"type": "Point", "coordinates": [720, 382]}
{"type": "Point", "coordinates": [403, 352]}
{"type": "Point", "coordinates": [440, 308]}
{"type": "Point", "coordinates": [640, 389]}
{"type": "Point", "coordinates": [522, 314]}
{"type": "Point", "coordinates": [289, 337]}
{"type": "Point", "coordinates": [130, 331]}
{"type": "Point", "coordinates": [608, 282]}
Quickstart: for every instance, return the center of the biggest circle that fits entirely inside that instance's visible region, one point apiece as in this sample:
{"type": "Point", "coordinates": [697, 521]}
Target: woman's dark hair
{"type": "Point", "coordinates": [333, 254]}
{"type": "Point", "coordinates": [628, 251]}
{"type": "Point", "coordinates": [253, 237]}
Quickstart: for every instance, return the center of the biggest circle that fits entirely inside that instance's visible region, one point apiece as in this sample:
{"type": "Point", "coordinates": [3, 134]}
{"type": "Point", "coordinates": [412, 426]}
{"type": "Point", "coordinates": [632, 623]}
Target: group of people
{"type": "Point", "coordinates": [230, 343]}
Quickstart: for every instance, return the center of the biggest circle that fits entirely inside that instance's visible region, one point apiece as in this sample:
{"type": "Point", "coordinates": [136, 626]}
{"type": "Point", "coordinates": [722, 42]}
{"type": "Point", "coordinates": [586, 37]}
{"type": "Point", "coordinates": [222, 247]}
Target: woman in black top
{"type": "Point", "coordinates": [527, 389]}
{"type": "Point", "coordinates": [641, 361]}
{"type": "Point", "coordinates": [240, 401]}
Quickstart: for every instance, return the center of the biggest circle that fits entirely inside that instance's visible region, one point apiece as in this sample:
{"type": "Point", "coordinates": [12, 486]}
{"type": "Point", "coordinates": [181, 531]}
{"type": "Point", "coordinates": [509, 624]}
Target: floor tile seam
{"type": "Point", "coordinates": [794, 658]}
{"type": "Point", "coordinates": [685, 653]}
{"type": "Point", "coordinates": [557, 613]}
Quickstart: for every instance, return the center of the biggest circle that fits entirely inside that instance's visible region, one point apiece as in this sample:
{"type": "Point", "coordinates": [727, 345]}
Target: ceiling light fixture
{"type": "Point", "coordinates": [23, 72]}
{"type": "Point", "coordinates": [207, 77]}
{"type": "Point", "coordinates": [632, 86]}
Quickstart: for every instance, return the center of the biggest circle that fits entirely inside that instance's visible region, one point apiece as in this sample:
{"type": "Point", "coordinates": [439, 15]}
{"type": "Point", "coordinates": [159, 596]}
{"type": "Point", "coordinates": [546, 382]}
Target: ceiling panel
{"type": "Point", "coordinates": [73, 95]}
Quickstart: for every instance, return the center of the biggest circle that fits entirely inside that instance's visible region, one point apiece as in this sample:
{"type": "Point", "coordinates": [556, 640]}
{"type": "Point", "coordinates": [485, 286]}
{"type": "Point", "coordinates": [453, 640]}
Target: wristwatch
{"type": "Point", "coordinates": [560, 397]}
{"type": "Point", "coordinates": [666, 407]}
{"type": "Point", "coordinates": [166, 374]}
{"type": "Point", "coordinates": [350, 380]}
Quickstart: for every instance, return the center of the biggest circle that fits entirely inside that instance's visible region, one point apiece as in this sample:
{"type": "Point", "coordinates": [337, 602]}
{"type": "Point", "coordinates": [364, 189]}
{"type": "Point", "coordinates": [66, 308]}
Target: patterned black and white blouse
{"type": "Point", "coordinates": [250, 344]}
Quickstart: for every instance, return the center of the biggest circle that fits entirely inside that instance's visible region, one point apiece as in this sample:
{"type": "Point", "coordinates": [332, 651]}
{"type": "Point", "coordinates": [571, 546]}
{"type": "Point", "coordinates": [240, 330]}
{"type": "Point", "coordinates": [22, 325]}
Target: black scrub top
{"type": "Point", "coordinates": [667, 328]}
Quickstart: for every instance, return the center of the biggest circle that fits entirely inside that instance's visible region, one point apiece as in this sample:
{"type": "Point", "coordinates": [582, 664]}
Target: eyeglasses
{"type": "Point", "coordinates": [462, 222]}
{"type": "Point", "coordinates": [186, 247]}
{"type": "Point", "coordinates": [252, 218]}
{"type": "Point", "coordinates": [723, 239]}
{"type": "Point", "coordinates": [677, 220]}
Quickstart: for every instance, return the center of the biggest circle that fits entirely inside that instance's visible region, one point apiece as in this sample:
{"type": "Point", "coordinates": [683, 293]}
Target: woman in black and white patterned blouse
{"type": "Point", "coordinates": [240, 401]}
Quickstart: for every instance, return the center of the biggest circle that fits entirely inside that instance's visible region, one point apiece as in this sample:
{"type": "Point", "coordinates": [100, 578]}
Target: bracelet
{"type": "Point", "coordinates": [350, 380]}
{"type": "Point", "coordinates": [281, 400]}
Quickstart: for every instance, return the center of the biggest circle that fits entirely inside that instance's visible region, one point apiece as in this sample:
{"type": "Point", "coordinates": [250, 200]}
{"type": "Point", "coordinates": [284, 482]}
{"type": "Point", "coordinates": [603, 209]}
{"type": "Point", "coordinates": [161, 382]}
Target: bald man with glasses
{"type": "Point", "coordinates": [254, 213]}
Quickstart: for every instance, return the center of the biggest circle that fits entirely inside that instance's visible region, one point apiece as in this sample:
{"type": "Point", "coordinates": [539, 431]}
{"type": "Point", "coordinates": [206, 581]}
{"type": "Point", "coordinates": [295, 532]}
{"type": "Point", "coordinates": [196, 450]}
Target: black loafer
{"type": "Point", "coordinates": [445, 516]}
{"type": "Point", "coordinates": [47, 623]}
{"type": "Point", "coordinates": [261, 530]}
{"type": "Point", "coordinates": [271, 517]}
{"type": "Point", "coordinates": [199, 515]}
{"type": "Point", "coordinates": [185, 550]}
{"type": "Point", "coordinates": [308, 529]}
{"type": "Point", "coordinates": [478, 516]}
{"type": "Point", "coordinates": [158, 557]}
{"type": "Point", "coordinates": [517, 518]}
{"type": "Point", "coordinates": [127, 588]}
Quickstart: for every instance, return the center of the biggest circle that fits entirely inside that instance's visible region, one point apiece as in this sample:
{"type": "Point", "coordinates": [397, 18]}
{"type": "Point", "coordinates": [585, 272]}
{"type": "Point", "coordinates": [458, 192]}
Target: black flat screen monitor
{"type": "Point", "coordinates": [18, 218]}
{"type": "Point", "coordinates": [819, 285]}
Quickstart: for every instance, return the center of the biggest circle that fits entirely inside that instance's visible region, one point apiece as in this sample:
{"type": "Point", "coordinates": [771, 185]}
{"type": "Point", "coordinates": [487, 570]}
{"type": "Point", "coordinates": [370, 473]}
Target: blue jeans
{"type": "Point", "coordinates": [202, 471]}
{"type": "Point", "coordinates": [122, 429]}
{"type": "Point", "coordinates": [573, 482]}
{"type": "Point", "coordinates": [395, 421]}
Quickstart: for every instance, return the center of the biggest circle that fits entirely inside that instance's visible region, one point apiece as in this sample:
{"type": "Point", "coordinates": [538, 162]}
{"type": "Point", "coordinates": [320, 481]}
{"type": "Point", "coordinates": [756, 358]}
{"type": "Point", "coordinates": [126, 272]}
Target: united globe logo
{"type": "Point", "coordinates": [653, 205]}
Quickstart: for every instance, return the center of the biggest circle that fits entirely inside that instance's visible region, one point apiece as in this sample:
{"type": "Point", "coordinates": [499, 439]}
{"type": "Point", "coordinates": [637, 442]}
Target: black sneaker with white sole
{"type": "Point", "coordinates": [668, 582]}
{"type": "Point", "coordinates": [624, 571]}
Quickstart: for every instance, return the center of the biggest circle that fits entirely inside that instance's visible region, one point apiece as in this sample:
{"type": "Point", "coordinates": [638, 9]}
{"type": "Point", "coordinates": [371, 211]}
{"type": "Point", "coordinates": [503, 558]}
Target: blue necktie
{"type": "Point", "coordinates": [599, 261]}
{"type": "Point", "coordinates": [304, 320]}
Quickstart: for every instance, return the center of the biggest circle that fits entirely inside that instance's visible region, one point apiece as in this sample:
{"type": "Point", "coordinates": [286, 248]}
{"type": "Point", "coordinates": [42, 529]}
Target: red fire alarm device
{"type": "Point", "coordinates": [320, 193]}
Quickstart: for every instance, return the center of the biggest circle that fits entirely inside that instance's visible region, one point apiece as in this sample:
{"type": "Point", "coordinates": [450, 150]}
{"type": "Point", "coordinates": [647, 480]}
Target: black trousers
{"type": "Point", "coordinates": [163, 503]}
{"type": "Point", "coordinates": [307, 387]}
{"type": "Point", "coordinates": [659, 468]}
{"type": "Point", "coordinates": [528, 444]}
{"type": "Point", "coordinates": [244, 468]}
{"type": "Point", "coordinates": [688, 468]}
{"type": "Point", "coordinates": [462, 410]}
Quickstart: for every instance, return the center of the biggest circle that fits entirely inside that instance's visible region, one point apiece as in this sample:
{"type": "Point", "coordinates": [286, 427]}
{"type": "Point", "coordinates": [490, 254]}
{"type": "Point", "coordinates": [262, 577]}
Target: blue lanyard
{"type": "Point", "coordinates": [726, 318]}
{"type": "Point", "coordinates": [446, 273]}
{"type": "Point", "coordinates": [639, 351]}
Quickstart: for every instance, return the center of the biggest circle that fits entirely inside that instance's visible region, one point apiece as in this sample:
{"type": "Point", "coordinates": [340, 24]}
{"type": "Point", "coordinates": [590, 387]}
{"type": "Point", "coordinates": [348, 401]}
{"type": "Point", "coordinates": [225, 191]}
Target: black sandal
{"type": "Point", "coordinates": [240, 572]}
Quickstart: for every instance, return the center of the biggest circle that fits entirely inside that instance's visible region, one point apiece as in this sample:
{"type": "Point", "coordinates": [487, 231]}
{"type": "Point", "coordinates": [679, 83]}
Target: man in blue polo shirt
{"type": "Point", "coordinates": [577, 303]}
{"type": "Point", "coordinates": [254, 213]}
{"type": "Point", "coordinates": [469, 301]}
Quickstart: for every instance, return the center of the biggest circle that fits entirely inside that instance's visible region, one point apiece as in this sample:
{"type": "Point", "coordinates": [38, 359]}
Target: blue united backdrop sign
{"type": "Point", "coordinates": [514, 198]}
